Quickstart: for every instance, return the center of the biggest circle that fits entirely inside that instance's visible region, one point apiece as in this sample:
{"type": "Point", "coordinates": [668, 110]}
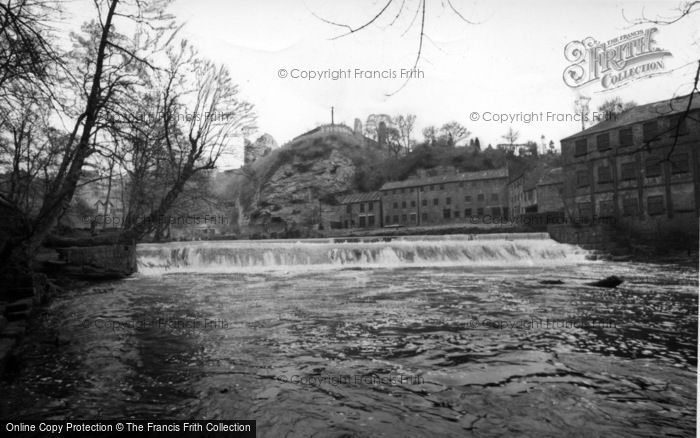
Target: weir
{"type": "Point", "coordinates": [524, 249]}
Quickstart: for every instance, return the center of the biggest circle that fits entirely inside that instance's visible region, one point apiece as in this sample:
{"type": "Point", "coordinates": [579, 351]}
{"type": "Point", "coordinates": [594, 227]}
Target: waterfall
{"type": "Point", "coordinates": [526, 249]}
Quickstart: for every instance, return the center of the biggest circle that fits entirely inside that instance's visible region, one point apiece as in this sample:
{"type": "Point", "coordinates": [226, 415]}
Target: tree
{"type": "Point", "coordinates": [511, 137]}
{"type": "Point", "coordinates": [613, 107]}
{"type": "Point", "coordinates": [166, 153]}
{"type": "Point", "coordinates": [430, 135]}
{"type": "Point", "coordinates": [404, 124]}
{"type": "Point", "coordinates": [454, 132]}
{"type": "Point", "coordinates": [113, 63]}
{"type": "Point", "coordinates": [27, 59]}
{"type": "Point", "coordinates": [477, 145]}
{"type": "Point", "coordinates": [393, 15]}
{"type": "Point", "coordinates": [582, 109]}
{"type": "Point", "coordinates": [394, 141]}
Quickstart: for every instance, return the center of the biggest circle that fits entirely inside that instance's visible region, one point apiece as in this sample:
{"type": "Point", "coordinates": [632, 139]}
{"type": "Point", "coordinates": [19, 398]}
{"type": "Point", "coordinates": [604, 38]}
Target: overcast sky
{"type": "Point", "coordinates": [511, 61]}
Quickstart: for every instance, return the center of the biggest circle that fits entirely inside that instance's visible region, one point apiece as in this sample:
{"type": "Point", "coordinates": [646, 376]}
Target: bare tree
{"type": "Point", "coordinates": [393, 11]}
{"type": "Point", "coordinates": [111, 64]}
{"type": "Point", "coordinates": [202, 112]}
{"type": "Point", "coordinates": [453, 132]}
{"type": "Point", "coordinates": [405, 125]}
{"type": "Point", "coordinates": [615, 106]}
{"type": "Point", "coordinates": [430, 134]}
{"type": "Point", "coordinates": [511, 137]}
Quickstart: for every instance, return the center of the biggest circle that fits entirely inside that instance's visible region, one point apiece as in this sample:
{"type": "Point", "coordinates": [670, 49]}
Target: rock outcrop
{"type": "Point", "coordinates": [290, 198]}
{"type": "Point", "coordinates": [288, 189]}
{"type": "Point", "coordinates": [259, 148]}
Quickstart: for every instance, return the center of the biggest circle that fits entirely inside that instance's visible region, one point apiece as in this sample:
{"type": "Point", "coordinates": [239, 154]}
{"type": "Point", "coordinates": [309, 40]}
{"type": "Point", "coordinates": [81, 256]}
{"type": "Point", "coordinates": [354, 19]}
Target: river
{"type": "Point", "coordinates": [423, 336]}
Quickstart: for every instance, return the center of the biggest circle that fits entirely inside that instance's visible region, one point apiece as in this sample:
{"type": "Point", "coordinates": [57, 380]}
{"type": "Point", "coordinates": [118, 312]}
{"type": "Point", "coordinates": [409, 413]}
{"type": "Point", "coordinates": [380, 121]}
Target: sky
{"type": "Point", "coordinates": [509, 60]}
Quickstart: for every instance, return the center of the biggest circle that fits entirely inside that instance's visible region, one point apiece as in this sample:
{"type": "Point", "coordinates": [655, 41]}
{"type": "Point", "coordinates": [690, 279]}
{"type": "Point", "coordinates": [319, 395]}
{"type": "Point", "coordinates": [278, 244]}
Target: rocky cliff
{"type": "Point", "coordinates": [286, 189]}
{"type": "Point", "coordinates": [261, 147]}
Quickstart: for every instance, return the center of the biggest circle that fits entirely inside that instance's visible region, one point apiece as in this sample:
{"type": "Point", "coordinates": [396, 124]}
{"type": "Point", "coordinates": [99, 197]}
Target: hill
{"type": "Point", "coordinates": [281, 191]}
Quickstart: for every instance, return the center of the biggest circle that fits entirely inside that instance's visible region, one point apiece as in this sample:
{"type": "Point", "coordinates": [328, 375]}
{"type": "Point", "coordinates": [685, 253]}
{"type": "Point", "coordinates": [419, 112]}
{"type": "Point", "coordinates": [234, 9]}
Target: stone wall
{"type": "Point", "coordinates": [104, 261]}
{"type": "Point", "coordinates": [592, 237]}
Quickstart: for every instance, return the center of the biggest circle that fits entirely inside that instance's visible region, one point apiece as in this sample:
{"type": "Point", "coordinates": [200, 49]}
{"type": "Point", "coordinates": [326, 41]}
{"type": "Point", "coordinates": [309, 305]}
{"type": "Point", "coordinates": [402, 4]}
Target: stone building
{"type": "Point", "coordinates": [640, 168]}
{"type": "Point", "coordinates": [549, 191]}
{"type": "Point", "coordinates": [537, 190]}
{"type": "Point", "coordinates": [446, 199]}
{"type": "Point", "coordinates": [360, 210]}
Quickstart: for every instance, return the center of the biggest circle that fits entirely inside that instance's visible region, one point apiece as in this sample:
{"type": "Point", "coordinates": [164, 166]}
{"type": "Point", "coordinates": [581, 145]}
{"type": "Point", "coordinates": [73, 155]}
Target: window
{"type": "Point", "coordinates": [448, 200]}
{"type": "Point", "coordinates": [680, 163]}
{"type": "Point", "coordinates": [494, 197]}
{"type": "Point", "coordinates": [442, 186]}
{"type": "Point", "coordinates": [584, 209]}
{"type": "Point", "coordinates": [468, 198]}
{"type": "Point", "coordinates": [403, 204]}
{"type": "Point", "coordinates": [456, 213]}
{"type": "Point", "coordinates": [603, 142]}
{"type": "Point", "coordinates": [630, 207]}
{"type": "Point", "coordinates": [480, 211]}
{"type": "Point", "coordinates": [387, 220]}
{"type": "Point", "coordinates": [370, 221]}
{"type": "Point", "coordinates": [606, 208]}
{"type": "Point", "coordinates": [461, 184]}
{"type": "Point", "coordinates": [655, 205]}
{"type": "Point", "coordinates": [480, 197]}
{"type": "Point", "coordinates": [625, 137]}
{"type": "Point", "coordinates": [467, 212]}
{"type": "Point", "coordinates": [424, 202]}
{"type": "Point", "coordinates": [371, 206]}
{"type": "Point", "coordinates": [628, 171]}
{"type": "Point", "coordinates": [582, 178]}
{"type": "Point", "coordinates": [414, 218]}
{"type": "Point", "coordinates": [436, 201]}
{"type": "Point", "coordinates": [413, 203]}
{"type": "Point", "coordinates": [424, 217]}
{"type": "Point", "coordinates": [362, 222]}
{"type": "Point", "coordinates": [496, 211]}
{"type": "Point", "coordinates": [604, 174]}
{"type": "Point", "coordinates": [396, 205]}
{"type": "Point", "coordinates": [362, 207]}
{"type": "Point", "coordinates": [674, 122]}
{"type": "Point", "coordinates": [581, 147]}
{"type": "Point", "coordinates": [446, 213]}
{"type": "Point", "coordinates": [403, 190]}
{"type": "Point", "coordinates": [404, 218]}
{"type": "Point", "coordinates": [651, 130]}
{"type": "Point", "coordinates": [348, 208]}
{"type": "Point", "coordinates": [432, 188]}
{"type": "Point", "coordinates": [422, 189]}
{"type": "Point", "coordinates": [653, 167]}
{"type": "Point", "coordinates": [396, 219]}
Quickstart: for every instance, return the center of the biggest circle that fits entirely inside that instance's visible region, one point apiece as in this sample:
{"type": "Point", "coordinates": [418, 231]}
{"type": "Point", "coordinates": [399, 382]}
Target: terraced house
{"type": "Point", "coordinates": [446, 199]}
{"type": "Point", "coordinates": [640, 168]}
{"type": "Point", "coordinates": [360, 210]}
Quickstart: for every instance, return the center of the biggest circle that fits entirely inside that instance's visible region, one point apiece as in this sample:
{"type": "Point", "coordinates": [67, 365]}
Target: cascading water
{"type": "Point", "coordinates": [460, 250]}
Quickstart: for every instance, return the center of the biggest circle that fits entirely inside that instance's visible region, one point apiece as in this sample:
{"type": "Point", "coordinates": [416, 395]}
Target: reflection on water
{"type": "Point", "coordinates": [376, 351]}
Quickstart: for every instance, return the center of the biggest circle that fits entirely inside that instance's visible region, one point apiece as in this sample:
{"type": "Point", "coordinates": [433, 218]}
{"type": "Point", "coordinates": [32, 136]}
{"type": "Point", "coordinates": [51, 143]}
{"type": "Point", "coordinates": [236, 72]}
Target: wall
{"type": "Point", "coordinates": [104, 261]}
{"type": "Point", "coordinates": [617, 197]}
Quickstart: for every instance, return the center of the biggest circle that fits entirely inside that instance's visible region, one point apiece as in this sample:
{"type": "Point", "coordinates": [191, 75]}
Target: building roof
{"type": "Point", "coordinates": [359, 197]}
{"type": "Point", "coordinates": [452, 177]}
{"type": "Point", "coordinates": [642, 113]}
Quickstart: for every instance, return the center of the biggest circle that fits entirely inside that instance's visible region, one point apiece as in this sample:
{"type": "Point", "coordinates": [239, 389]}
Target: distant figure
{"type": "Point", "coordinates": [609, 282]}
